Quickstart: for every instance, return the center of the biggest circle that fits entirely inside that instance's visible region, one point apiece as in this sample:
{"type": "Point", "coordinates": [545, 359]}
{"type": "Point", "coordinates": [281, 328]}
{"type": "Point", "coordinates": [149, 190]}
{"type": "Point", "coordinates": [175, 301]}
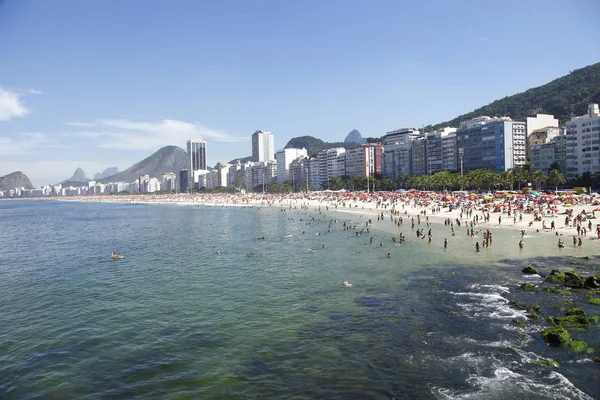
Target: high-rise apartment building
{"type": "Point", "coordinates": [196, 153]}
{"type": "Point", "coordinates": [284, 159]}
{"type": "Point", "coordinates": [497, 144]}
{"type": "Point", "coordinates": [583, 143]}
{"type": "Point", "coordinates": [441, 150]}
{"type": "Point", "coordinates": [263, 146]}
{"type": "Point", "coordinates": [397, 152]}
{"type": "Point", "coordinates": [364, 160]}
{"type": "Point", "coordinates": [542, 155]}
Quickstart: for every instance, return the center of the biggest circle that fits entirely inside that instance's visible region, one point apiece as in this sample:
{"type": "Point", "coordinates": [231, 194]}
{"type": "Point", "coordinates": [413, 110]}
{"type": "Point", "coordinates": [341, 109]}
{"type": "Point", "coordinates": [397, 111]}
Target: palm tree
{"type": "Point", "coordinates": [556, 178]}
{"type": "Point", "coordinates": [537, 178]}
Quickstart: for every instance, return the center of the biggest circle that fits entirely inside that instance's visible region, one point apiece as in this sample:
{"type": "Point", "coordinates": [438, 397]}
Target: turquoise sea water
{"type": "Point", "coordinates": [175, 320]}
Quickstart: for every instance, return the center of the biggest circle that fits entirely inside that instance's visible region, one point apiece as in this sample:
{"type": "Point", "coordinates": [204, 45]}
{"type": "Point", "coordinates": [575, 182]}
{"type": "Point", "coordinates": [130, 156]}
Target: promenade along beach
{"type": "Point", "coordinates": [314, 295]}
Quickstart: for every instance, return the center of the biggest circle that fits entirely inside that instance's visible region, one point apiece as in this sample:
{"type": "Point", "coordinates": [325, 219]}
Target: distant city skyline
{"type": "Point", "coordinates": [74, 93]}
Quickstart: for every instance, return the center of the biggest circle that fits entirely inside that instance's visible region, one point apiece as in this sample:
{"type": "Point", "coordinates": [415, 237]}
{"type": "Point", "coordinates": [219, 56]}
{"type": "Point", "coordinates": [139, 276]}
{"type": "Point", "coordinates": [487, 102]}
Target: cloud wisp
{"type": "Point", "coordinates": [131, 135]}
{"type": "Point", "coordinates": [26, 143]}
{"type": "Point", "coordinates": [11, 105]}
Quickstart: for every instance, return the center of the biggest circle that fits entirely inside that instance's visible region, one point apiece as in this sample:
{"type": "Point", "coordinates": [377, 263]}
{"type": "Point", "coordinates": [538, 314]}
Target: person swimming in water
{"type": "Point", "coordinates": [115, 256]}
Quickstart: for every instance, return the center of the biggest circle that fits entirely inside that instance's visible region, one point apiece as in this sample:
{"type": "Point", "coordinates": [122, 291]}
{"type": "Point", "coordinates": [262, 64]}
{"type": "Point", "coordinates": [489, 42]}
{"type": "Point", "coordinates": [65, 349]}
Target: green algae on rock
{"type": "Point", "coordinates": [556, 277]}
{"type": "Point", "coordinates": [577, 345]}
{"type": "Point", "coordinates": [527, 287]}
{"type": "Point", "coordinates": [530, 270]}
{"type": "Point", "coordinates": [555, 335]}
{"type": "Point", "coordinates": [547, 363]}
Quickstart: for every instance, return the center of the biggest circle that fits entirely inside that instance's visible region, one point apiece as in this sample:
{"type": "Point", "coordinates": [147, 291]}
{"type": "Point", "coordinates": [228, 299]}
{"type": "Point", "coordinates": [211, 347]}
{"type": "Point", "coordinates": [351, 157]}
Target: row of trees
{"type": "Point", "coordinates": [480, 179]}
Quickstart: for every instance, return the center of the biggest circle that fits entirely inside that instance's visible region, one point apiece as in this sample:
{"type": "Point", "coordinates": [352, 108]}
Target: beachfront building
{"type": "Point", "coordinates": [169, 182]}
{"type": "Point", "coordinates": [364, 160]}
{"type": "Point", "coordinates": [263, 146]}
{"type": "Point", "coordinates": [542, 135]}
{"type": "Point", "coordinates": [397, 152]}
{"type": "Point", "coordinates": [196, 153]}
{"type": "Point", "coordinates": [583, 143]}
{"type": "Point", "coordinates": [262, 173]}
{"type": "Point", "coordinates": [284, 160]}
{"type": "Point", "coordinates": [331, 162]}
{"type": "Point", "coordinates": [419, 157]}
{"type": "Point", "coordinates": [441, 150]}
{"type": "Point", "coordinates": [540, 121]}
{"type": "Point", "coordinates": [544, 154]}
{"type": "Point", "coordinates": [183, 180]}
{"type": "Point", "coordinates": [497, 144]}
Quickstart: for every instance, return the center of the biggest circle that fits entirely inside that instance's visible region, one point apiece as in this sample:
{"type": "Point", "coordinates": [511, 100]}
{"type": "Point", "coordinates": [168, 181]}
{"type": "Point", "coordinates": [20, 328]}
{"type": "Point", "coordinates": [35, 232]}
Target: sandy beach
{"type": "Point", "coordinates": [563, 216]}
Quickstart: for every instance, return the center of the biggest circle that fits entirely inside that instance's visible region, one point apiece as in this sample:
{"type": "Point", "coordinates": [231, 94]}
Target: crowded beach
{"type": "Point", "coordinates": [564, 214]}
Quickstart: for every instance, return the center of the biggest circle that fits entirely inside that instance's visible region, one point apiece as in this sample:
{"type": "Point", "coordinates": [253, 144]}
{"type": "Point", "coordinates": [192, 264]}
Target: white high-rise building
{"type": "Point", "coordinates": [583, 143]}
{"type": "Point", "coordinates": [263, 146]}
{"type": "Point", "coordinates": [284, 159]}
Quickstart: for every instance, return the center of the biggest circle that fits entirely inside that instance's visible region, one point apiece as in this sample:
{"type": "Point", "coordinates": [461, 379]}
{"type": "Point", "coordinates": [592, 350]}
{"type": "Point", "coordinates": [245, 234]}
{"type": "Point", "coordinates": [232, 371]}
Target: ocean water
{"type": "Point", "coordinates": [270, 318]}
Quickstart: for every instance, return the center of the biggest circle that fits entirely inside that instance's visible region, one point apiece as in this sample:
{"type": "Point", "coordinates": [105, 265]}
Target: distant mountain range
{"type": "Point", "coordinates": [15, 180]}
{"type": "Point", "coordinates": [106, 173]}
{"type": "Point", "coordinates": [563, 97]}
{"type": "Point", "coordinates": [167, 159]}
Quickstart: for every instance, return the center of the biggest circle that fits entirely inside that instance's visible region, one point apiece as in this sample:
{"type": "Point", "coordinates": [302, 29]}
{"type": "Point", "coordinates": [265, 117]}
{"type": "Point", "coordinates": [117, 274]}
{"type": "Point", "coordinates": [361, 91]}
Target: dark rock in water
{"type": "Point", "coordinates": [556, 277]}
{"type": "Point", "coordinates": [591, 282]}
{"type": "Point", "coordinates": [573, 280]}
{"type": "Point", "coordinates": [524, 306]}
{"type": "Point", "coordinates": [530, 270]}
{"type": "Point", "coordinates": [527, 287]}
{"type": "Point", "coordinates": [556, 335]}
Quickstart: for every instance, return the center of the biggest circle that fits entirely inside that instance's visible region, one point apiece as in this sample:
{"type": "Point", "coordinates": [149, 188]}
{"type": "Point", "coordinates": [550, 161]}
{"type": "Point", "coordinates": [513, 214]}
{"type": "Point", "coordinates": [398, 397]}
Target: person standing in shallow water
{"type": "Point", "coordinates": [477, 247]}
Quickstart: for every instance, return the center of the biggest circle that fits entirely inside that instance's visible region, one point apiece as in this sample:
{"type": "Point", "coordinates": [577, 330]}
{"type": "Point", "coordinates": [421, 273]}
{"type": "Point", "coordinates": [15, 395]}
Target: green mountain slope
{"type": "Point", "coordinates": [167, 159]}
{"type": "Point", "coordinates": [563, 97]}
{"type": "Point", "coordinates": [314, 145]}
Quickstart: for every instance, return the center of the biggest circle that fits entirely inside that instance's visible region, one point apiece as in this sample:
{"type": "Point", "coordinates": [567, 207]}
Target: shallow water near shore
{"type": "Point", "coordinates": [269, 318]}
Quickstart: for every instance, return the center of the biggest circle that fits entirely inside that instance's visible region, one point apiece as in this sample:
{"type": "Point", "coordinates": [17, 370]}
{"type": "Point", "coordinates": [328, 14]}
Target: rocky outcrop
{"type": "Point", "coordinates": [354, 137]}
{"type": "Point", "coordinates": [15, 180]}
{"type": "Point", "coordinates": [106, 173]}
{"type": "Point", "coordinates": [167, 159]}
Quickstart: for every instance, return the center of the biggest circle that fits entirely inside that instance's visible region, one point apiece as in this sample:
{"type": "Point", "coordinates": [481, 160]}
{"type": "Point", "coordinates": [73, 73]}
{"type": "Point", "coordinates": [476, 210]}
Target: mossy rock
{"type": "Point", "coordinates": [575, 311]}
{"type": "Point", "coordinates": [556, 277]}
{"type": "Point", "coordinates": [527, 287]}
{"type": "Point", "coordinates": [530, 270]}
{"type": "Point", "coordinates": [577, 345]}
{"type": "Point", "coordinates": [573, 321]}
{"type": "Point", "coordinates": [579, 262]}
{"type": "Point", "coordinates": [519, 322]}
{"type": "Point", "coordinates": [556, 335]}
{"type": "Point", "coordinates": [594, 300]}
{"type": "Point", "coordinates": [591, 282]}
{"type": "Point", "coordinates": [524, 306]}
{"type": "Point", "coordinates": [563, 292]}
{"type": "Point", "coordinates": [532, 316]}
{"type": "Point", "coordinates": [573, 280]}
{"type": "Point", "coordinates": [563, 304]}
{"type": "Point", "coordinates": [547, 363]}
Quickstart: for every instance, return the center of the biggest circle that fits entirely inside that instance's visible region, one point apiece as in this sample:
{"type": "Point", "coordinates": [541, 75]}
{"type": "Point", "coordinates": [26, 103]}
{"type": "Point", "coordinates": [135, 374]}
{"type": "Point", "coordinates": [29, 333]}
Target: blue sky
{"type": "Point", "coordinates": [96, 84]}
